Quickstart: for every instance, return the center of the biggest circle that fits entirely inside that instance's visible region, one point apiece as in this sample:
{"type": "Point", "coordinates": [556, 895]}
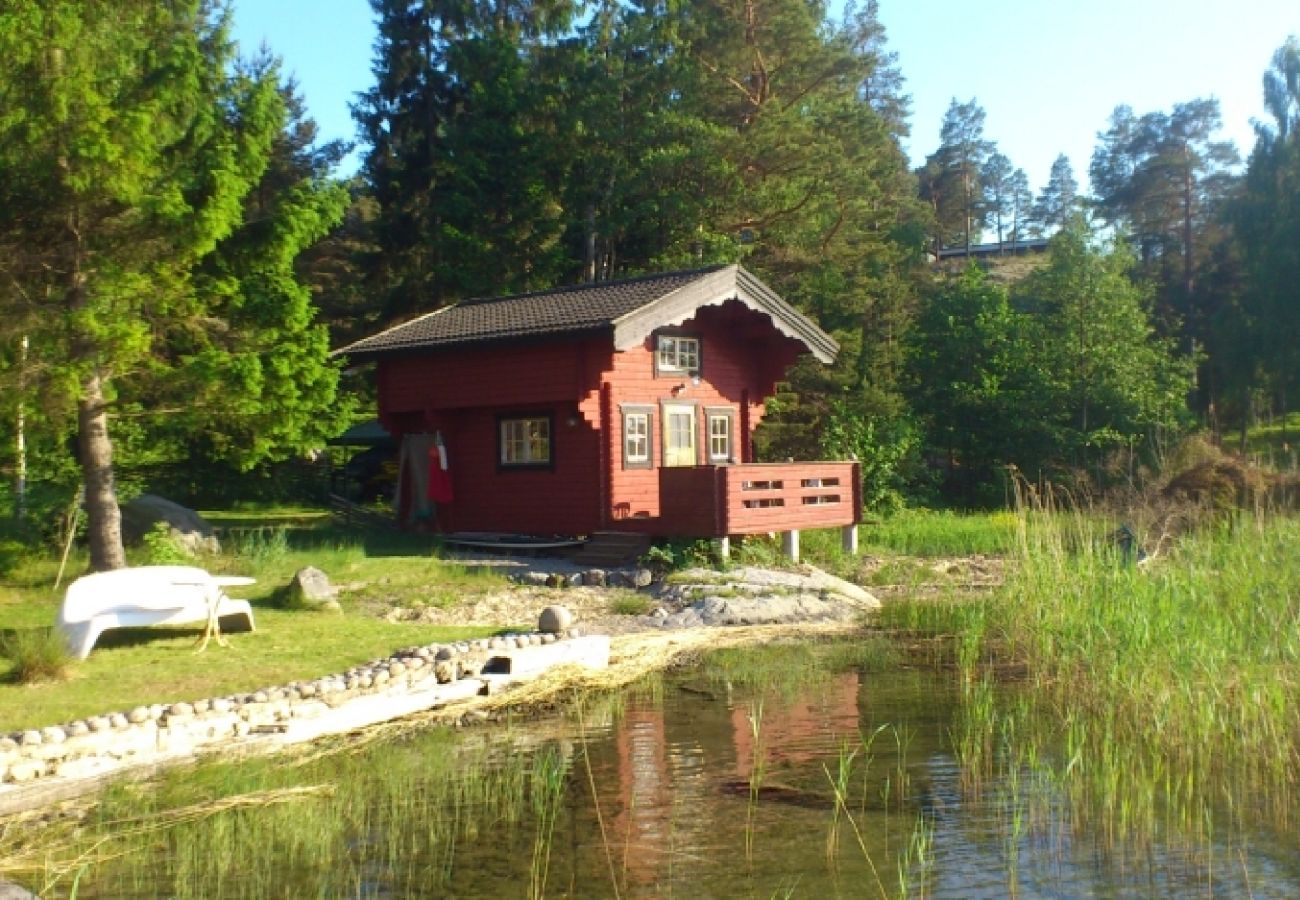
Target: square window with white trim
{"type": "Point", "coordinates": [525, 441]}
{"type": "Point", "coordinates": [678, 354]}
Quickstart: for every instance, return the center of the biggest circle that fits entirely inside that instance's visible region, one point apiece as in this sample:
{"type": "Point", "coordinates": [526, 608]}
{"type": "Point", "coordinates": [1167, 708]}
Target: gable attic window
{"type": "Point", "coordinates": [677, 353]}
{"type": "Point", "coordinates": [524, 441]}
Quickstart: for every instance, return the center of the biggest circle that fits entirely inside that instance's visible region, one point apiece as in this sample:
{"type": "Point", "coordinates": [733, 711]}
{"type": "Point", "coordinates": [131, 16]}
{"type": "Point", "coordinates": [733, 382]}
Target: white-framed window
{"type": "Point", "coordinates": [719, 436]}
{"type": "Point", "coordinates": [675, 353]}
{"type": "Point", "coordinates": [525, 440]}
{"type": "Point", "coordinates": [637, 439]}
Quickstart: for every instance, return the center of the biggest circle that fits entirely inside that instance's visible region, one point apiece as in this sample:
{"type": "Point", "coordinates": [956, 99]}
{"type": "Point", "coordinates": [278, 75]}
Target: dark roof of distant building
{"type": "Point", "coordinates": [630, 308]}
{"type": "Point", "coordinates": [1034, 245]}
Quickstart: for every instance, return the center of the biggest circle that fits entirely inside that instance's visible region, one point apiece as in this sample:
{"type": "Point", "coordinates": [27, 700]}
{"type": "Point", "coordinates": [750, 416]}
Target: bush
{"type": "Point", "coordinates": [161, 548]}
{"type": "Point", "coordinates": [11, 554]}
{"type": "Point", "coordinates": [679, 553]}
{"type": "Point", "coordinates": [36, 654]}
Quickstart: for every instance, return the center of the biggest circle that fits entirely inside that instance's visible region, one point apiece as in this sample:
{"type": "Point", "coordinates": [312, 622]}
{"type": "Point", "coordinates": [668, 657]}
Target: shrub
{"type": "Point", "coordinates": [161, 547]}
{"type": "Point", "coordinates": [35, 654]}
{"type": "Point", "coordinates": [630, 605]}
{"type": "Point", "coordinates": [679, 553]}
{"type": "Point", "coordinates": [11, 554]}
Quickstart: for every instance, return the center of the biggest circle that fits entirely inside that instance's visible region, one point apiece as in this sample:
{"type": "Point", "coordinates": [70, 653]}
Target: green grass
{"type": "Point", "coordinates": [156, 665]}
{"type": "Point", "coordinates": [1276, 444]}
{"type": "Point", "coordinates": [940, 533]}
{"type": "Point", "coordinates": [630, 604]}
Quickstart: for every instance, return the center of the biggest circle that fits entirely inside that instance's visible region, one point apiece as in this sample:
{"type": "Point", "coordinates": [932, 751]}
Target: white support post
{"type": "Point", "coordinates": [790, 544]}
{"type": "Point", "coordinates": [849, 539]}
{"type": "Point", "coordinates": [722, 547]}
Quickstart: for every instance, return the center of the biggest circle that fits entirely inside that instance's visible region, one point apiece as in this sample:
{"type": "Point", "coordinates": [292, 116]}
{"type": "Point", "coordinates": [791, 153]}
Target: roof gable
{"type": "Point", "coordinates": [631, 309]}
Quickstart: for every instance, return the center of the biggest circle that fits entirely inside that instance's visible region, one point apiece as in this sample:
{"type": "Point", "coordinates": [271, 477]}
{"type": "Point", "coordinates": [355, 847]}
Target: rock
{"type": "Point", "coordinates": [574, 579]}
{"type": "Point", "coordinates": [31, 738]}
{"type": "Point", "coordinates": [186, 527]}
{"type": "Point", "coordinates": [535, 579]}
{"type": "Point", "coordinates": [594, 578]}
{"type": "Point", "coordinates": [11, 891]}
{"type": "Point", "coordinates": [444, 653]}
{"type": "Point", "coordinates": [138, 715]}
{"type": "Point", "coordinates": [554, 620]}
{"type": "Point", "coordinates": [311, 589]}
{"type": "Point", "coordinates": [643, 578]}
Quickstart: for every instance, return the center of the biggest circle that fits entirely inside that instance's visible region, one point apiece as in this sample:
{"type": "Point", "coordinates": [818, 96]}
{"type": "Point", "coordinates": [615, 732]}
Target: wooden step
{"type": "Point", "coordinates": [610, 549]}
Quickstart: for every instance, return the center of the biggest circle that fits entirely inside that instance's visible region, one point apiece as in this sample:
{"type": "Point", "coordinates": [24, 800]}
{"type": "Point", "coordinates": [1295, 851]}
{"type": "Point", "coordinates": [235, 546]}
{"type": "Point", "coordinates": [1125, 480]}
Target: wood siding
{"type": "Point", "coordinates": [742, 358]}
{"type": "Point", "coordinates": [583, 385]}
{"type": "Point", "coordinates": [716, 501]}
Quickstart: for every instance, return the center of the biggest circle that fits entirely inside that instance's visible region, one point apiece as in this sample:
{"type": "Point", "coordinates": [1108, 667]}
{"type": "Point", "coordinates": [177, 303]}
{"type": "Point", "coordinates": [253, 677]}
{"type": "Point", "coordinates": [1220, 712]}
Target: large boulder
{"type": "Point", "coordinates": [311, 589]}
{"type": "Point", "coordinates": [187, 528]}
{"type": "Point", "coordinates": [554, 620]}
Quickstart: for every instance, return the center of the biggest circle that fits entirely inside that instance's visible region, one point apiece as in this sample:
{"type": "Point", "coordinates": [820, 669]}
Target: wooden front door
{"type": "Point", "coordinates": [679, 435]}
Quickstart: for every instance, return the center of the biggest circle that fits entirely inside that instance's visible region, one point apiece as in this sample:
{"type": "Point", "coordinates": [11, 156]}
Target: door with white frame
{"type": "Point", "coordinates": [679, 434]}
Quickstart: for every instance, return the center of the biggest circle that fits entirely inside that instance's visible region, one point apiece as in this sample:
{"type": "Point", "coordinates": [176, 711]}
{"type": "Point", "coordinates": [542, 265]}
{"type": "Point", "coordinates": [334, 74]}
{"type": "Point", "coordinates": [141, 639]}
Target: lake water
{"type": "Point", "coordinates": [699, 785]}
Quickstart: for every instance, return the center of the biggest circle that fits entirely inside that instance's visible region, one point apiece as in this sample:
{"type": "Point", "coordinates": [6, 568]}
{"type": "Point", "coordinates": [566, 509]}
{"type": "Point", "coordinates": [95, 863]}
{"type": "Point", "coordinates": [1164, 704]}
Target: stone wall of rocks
{"type": "Point", "coordinates": [624, 578]}
{"type": "Point", "coordinates": [410, 680]}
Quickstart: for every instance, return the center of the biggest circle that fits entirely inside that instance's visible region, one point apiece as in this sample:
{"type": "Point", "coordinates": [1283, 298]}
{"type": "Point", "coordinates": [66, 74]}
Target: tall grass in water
{"type": "Point", "coordinates": [335, 824]}
{"type": "Point", "coordinates": [1173, 682]}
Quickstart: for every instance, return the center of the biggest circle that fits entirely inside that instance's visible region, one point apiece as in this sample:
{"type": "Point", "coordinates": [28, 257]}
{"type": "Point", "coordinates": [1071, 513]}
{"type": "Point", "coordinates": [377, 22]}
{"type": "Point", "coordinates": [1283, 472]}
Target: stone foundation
{"type": "Point", "coordinates": [41, 765]}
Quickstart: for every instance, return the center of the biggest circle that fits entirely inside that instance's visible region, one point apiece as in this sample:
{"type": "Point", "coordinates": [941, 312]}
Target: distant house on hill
{"type": "Point", "coordinates": [624, 405]}
{"type": "Point", "coordinates": [983, 251]}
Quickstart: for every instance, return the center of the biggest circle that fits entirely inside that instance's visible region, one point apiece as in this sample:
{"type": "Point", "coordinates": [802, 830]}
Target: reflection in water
{"type": "Point", "coordinates": [657, 804]}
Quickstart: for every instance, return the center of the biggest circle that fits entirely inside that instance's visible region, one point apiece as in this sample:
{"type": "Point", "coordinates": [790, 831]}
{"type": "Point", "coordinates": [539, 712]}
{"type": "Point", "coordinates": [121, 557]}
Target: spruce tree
{"type": "Point", "coordinates": [130, 144]}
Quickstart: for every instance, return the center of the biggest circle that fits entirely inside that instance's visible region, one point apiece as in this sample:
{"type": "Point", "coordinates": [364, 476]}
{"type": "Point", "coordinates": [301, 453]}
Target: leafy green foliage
{"type": "Point", "coordinates": [162, 549]}
{"type": "Point", "coordinates": [1263, 319]}
{"type": "Point", "coordinates": [885, 448]}
{"type": "Point", "coordinates": [679, 553]}
{"type": "Point", "coordinates": [152, 211]}
{"type": "Point", "coordinates": [1071, 370]}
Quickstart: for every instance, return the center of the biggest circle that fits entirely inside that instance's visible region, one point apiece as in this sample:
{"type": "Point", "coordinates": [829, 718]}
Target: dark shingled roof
{"type": "Point", "coordinates": [582, 308]}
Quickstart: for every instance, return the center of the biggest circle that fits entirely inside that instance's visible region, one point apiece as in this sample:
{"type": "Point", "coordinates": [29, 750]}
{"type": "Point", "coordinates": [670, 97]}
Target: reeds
{"type": "Point", "coordinates": [1158, 698]}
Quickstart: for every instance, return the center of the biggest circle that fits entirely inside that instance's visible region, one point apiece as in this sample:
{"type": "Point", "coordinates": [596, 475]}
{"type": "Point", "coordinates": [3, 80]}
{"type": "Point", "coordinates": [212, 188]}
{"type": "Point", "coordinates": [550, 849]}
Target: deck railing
{"type": "Point", "coordinates": [753, 498]}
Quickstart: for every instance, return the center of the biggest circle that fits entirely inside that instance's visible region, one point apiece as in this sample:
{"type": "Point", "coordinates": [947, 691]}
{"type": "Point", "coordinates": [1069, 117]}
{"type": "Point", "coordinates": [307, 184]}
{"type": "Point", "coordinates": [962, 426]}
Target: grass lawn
{"type": "Point", "coordinates": [130, 667]}
{"type": "Point", "coordinates": [1276, 444]}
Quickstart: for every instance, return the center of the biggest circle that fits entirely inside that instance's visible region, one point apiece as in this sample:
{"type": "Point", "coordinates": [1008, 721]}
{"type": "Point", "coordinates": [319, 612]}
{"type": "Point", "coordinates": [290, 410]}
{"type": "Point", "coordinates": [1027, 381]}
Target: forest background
{"type": "Point", "coordinates": [177, 254]}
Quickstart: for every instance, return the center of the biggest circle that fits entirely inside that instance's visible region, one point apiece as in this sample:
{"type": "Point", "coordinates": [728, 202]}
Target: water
{"type": "Point", "coordinates": [701, 786]}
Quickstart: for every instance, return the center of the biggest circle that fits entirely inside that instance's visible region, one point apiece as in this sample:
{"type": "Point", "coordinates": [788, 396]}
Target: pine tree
{"type": "Point", "coordinates": [1059, 199]}
{"type": "Point", "coordinates": [999, 192]}
{"type": "Point", "coordinates": [1265, 318]}
{"type": "Point", "coordinates": [951, 175]}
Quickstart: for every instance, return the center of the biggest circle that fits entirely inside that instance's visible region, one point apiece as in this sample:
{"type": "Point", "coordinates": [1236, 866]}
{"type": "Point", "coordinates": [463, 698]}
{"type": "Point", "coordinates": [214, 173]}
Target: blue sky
{"type": "Point", "coordinates": [1047, 72]}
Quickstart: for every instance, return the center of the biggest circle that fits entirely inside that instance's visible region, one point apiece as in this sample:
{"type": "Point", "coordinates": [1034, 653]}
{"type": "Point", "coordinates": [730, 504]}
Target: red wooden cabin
{"type": "Point", "coordinates": [625, 405]}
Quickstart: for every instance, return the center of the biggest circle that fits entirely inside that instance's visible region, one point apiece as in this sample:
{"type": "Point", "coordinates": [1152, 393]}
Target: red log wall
{"type": "Point", "coordinates": [462, 392]}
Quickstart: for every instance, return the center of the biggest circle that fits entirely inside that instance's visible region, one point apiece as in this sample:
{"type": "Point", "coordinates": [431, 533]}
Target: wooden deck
{"type": "Point", "coordinates": [755, 498]}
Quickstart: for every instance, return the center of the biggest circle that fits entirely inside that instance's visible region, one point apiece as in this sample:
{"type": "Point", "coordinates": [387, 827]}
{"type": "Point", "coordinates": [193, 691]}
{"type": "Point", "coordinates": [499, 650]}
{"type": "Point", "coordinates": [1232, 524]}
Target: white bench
{"type": "Point", "coordinates": [146, 595]}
